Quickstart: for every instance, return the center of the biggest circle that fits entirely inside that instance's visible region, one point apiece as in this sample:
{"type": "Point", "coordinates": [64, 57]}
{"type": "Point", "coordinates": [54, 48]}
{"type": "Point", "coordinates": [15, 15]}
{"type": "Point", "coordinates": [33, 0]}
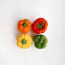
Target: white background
{"type": "Point", "coordinates": [13, 10]}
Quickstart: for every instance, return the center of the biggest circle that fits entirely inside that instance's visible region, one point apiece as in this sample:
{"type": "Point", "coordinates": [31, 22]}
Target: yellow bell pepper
{"type": "Point", "coordinates": [24, 41]}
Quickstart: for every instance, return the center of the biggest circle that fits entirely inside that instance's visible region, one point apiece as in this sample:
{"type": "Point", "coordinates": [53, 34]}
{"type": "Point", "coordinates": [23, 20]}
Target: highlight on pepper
{"type": "Point", "coordinates": [24, 25]}
{"type": "Point", "coordinates": [40, 41]}
{"type": "Point", "coordinates": [24, 41]}
{"type": "Point", "coordinates": [39, 25]}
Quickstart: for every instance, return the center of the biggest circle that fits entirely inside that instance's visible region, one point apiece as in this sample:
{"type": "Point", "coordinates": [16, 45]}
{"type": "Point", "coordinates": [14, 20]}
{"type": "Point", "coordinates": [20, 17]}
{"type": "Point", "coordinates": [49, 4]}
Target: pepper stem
{"type": "Point", "coordinates": [40, 25]}
{"type": "Point", "coordinates": [25, 24]}
{"type": "Point", "coordinates": [24, 41]}
{"type": "Point", "coordinates": [41, 41]}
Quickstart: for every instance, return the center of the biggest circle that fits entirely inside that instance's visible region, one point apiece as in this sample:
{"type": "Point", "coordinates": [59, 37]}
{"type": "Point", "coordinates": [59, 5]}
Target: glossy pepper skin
{"type": "Point", "coordinates": [24, 41]}
{"type": "Point", "coordinates": [24, 25]}
{"type": "Point", "coordinates": [39, 25]}
{"type": "Point", "coordinates": [40, 41]}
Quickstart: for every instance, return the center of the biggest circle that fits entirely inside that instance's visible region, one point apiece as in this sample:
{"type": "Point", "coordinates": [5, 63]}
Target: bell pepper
{"type": "Point", "coordinates": [24, 25]}
{"type": "Point", "coordinates": [39, 25]}
{"type": "Point", "coordinates": [24, 41]}
{"type": "Point", "coordinates": [40, 41]}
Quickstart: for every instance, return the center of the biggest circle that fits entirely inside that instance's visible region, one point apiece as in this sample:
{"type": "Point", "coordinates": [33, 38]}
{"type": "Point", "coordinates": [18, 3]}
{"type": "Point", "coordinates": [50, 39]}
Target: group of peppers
{"type": "Point", "coordinates": [38, 26]}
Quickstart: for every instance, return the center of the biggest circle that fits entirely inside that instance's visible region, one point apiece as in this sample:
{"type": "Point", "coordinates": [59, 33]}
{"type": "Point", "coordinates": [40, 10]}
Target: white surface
{"type": "Point", "coordinates": [13, 10]}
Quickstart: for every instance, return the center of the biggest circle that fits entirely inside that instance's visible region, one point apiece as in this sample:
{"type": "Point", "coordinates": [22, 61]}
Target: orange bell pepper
{"type": "Point", "coordinates": [24, 25]}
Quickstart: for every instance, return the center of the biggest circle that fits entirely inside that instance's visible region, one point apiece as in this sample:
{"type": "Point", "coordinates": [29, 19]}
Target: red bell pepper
{"type": "Point", "coordinates": [39, 25]}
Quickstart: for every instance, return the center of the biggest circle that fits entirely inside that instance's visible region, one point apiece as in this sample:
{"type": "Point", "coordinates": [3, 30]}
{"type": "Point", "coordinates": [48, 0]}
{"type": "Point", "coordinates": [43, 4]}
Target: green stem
{"type": "Point", "coordinates": [26, 21]}
{"type": "Point", "coordinates": [24, 41]}
{"type": "Point", "coordinates": [40, 25]}
{"type": "Point", "coordinates": [25, 24]}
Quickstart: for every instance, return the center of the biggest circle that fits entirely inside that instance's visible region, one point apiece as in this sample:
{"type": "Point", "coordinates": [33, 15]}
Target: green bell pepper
{"type": "Point", "coordinates": [40, 41]}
